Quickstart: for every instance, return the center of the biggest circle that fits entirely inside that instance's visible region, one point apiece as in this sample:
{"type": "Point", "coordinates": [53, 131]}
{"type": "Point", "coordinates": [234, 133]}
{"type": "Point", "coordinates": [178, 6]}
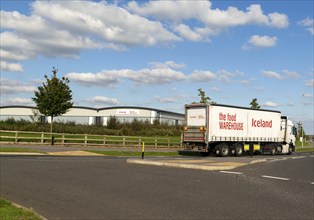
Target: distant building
{"type": "Point", "coordinates": [92, 116]}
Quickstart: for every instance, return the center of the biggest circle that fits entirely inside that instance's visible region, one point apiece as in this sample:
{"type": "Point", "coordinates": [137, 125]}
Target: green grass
{"type": "Point", "coordinates": [306, 149]}
{"type": "Point", "coordinates": [134, 153]}
{"type": "Point", "coordinates": [299, 143]}
{"type": "Point", "coordinates": [92, 139]}
{"type": "Point", "coordinates": [10, 212]}
{"type": "Point", "coordinates": [19, 150]}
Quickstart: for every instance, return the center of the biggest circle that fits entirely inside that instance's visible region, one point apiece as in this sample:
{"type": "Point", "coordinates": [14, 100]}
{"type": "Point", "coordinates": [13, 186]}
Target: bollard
{"type": "Point", "coordinates": [143, 150]}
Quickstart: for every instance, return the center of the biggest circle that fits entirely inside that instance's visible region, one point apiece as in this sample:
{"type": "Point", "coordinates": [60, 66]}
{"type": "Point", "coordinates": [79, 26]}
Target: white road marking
{"type": "Point", "coordinates": [312, 183]}
{"type": "Point", "coordinates": [299, 157]}
{"type": "Point", "coordinates": [230, 172]}
{"type": "Point", "coordinates": [278, 159]}
{"type": "Point", "coordinates": [275, 177]}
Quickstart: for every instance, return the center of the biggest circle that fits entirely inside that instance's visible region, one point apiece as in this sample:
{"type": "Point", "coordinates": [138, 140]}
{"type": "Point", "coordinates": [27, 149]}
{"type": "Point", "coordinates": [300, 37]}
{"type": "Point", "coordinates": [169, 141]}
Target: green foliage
{"type": "Point", "coordinates": [301, 132]}
{"type": "Point", "coordinates": [54, 97]}
{"type": "Point", "coordinates": [134, 128]}
{"type": "Point", "coordinates": [204, 98]}
{"type": "Point", "coordinates": [254, 104]}
{"type": "Point", "coordinates": [113, 123]}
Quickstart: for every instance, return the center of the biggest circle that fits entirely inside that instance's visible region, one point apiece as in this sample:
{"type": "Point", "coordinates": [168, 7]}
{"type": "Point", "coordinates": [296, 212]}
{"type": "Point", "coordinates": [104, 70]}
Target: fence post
{"type": "Point", "coordinates": [85, 140]}
{"type": "Point", "coordinates": [139, 141]}
{"type": "Point", "coordinates": [168, 142]}
{"type": "Point", "coordinates": [16, 137]}
{"type": "Point", "coordinates": [104, 140]}
{"type": "Point", "coordinates": [123, 141]}
{"type": "Point", "coordinates": [42, 137]}
{"type": "Point", "coordinates": [63, 138]}
{"type": "Point", "coordinates": [155, 142]}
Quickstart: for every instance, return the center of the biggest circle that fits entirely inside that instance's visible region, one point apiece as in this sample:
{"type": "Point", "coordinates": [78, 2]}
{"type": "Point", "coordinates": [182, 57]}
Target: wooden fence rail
{"type": "Point", "coordinates": [86, 139]}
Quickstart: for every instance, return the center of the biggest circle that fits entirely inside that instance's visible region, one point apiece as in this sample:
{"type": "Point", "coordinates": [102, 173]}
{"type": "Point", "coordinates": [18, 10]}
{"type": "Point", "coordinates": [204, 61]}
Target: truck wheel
{"type": "Point", "coordinates": [224, 150]}
{"type": "Point", "coordinates": [273, 150]}
{"type": "Point", "coordinates": [279, 149]}
{"type": "Point", "coordinates": [238, 150]}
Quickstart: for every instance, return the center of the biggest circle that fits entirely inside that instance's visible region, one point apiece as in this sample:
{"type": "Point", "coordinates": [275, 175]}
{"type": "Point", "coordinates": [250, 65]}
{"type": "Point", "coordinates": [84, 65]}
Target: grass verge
{"type": "Point", "coordinates": [306, 149]}
{"type": "Point", "coordinates": [19, 150]}
{"type": "Point", "coordinates": [9, 211]}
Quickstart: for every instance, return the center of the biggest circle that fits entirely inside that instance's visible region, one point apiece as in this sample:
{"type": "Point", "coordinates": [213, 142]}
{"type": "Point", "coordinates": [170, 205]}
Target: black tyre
{"type": "Point", "coordinates": [224, 150]}
{"type": "Point", "coordinates": [238, 150]}
{"type": "Point", "coordinates": [273, 150]}
{"type": "Point", "coordinates": [279, 149]}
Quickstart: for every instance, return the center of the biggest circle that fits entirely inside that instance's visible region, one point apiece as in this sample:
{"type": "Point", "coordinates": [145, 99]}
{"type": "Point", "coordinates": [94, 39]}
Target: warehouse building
{"type": "Point", "coordinates": [94, 116]}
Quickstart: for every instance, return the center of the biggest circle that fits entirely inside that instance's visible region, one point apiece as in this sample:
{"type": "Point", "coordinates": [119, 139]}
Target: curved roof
{"type": "Point", "coordinates": [100, 109]}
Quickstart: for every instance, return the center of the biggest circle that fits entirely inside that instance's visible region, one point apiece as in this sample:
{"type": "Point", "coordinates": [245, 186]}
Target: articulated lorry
{"type": "Point", "coordinates": [232, 130]}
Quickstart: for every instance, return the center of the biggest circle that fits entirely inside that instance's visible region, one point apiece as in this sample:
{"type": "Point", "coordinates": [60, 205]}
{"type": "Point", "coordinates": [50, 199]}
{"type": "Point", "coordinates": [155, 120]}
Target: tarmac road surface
{"type": "Point", "coordinates": [109, 188]}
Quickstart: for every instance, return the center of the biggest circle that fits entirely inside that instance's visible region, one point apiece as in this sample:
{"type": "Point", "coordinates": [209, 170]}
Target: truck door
{"type": "Point", "coordinates": [196, 117]}
{"type": "Point", "coordinates": [195, 129]}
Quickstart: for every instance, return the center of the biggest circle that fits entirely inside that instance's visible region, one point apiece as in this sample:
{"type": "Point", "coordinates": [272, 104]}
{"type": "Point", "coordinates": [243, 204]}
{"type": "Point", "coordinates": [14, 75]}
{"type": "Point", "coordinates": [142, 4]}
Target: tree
{"type": "Point", "coordinates": [254, 104]}
{"type": "Point", "coordinates": [301, 132]}
{"type": "Point", "coordinates": [204, 98]}
{"type": "Point", "coordinates": [54, 97]}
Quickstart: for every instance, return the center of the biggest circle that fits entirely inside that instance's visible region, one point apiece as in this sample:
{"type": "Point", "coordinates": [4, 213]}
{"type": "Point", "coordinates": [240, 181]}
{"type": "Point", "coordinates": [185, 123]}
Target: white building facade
{"type": "Point", "coordinates": [94, 116]}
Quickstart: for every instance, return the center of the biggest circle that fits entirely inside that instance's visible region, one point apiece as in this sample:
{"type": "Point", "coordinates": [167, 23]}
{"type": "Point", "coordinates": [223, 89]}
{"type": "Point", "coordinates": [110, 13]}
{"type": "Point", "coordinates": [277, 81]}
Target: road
{"type": "Point", "coordinates": [109, 188]}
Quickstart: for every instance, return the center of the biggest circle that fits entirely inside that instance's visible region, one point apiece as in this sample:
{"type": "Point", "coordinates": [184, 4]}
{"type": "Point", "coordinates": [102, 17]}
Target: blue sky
{"type": "Point", "coordinates": [159, 53]}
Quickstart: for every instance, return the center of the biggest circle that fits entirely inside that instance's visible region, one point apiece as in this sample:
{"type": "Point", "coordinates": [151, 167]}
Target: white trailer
{"type": "Point", "coordinates": [227, 130]}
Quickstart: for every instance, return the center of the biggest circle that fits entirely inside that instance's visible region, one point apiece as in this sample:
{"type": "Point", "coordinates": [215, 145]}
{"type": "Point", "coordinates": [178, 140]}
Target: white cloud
{"type": "Point", "coordinates": [284, 74]}
{"type": "Point", "coordinates": [11, 67]}
{"type": "Point", "coordinates": [158, 74]}
{"type": "Point", "coordinates": [306, 22]}
{"type": "Point", "coordinates": [309, 23]}
{"type": "Point", "coordinates": [167, 64]}
{"type": "Point", "coordinates": [65, 28]}
{"type": "Point", "coordinates": [12, 87]}
{"type": "Point", "coordinates": [186, 32]}
{"type": "Point", "coordinates": [226, 76]}
{"type": "Point", "coordinates": [166, 100]}
{"type": "Point", "coordinates": [202, 76]}
{"type": "Point", "coordinates": [104, 79]}
{"type": "Point", "coordinates": [38, 36]}
{"type": "Point", "coordinates": [103, 100]}
{"type": "Point", "coordinates": [272, 74]}
{"type": "Point", "coordinates": [291, 74]}
{"type": "Point", "coordinates": [245, 82]}
{"type": "Point", "coordinates": [108, 21]}
{"type": "Point", "coordinates": [270, 104]}
{"type": "Point", "coordinates": [278, 20]}
{"type": "Point", "coordinates": [215, 89]}
{"type": "Point", "coordinates": [155, 76]}
{"type": "Point", "coordinates": [17, 101]}
{"type": "Point", "coordinates": [212, 20]}
{"type": "Point", "coordinates": [257, 41]}
{"type": "Point", "coordinates": [310, 83]}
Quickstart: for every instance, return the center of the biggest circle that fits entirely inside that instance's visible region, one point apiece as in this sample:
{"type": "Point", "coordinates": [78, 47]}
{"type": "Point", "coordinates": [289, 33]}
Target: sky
{"type": "Point", "coordinates": [157, 54]}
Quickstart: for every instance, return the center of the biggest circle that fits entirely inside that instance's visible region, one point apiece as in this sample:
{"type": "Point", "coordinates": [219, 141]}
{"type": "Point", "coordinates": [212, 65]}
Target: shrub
{"type": "Point", "coordinates": [114, 127]}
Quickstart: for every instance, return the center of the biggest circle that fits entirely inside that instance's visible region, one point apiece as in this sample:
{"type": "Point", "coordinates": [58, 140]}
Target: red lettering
{"type": "Point", "coordinates": [261, 123]}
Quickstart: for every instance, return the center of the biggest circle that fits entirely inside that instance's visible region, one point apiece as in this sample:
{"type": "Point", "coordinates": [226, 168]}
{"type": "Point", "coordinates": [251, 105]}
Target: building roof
{"type": "Point", "coordinates": [100, 109]}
